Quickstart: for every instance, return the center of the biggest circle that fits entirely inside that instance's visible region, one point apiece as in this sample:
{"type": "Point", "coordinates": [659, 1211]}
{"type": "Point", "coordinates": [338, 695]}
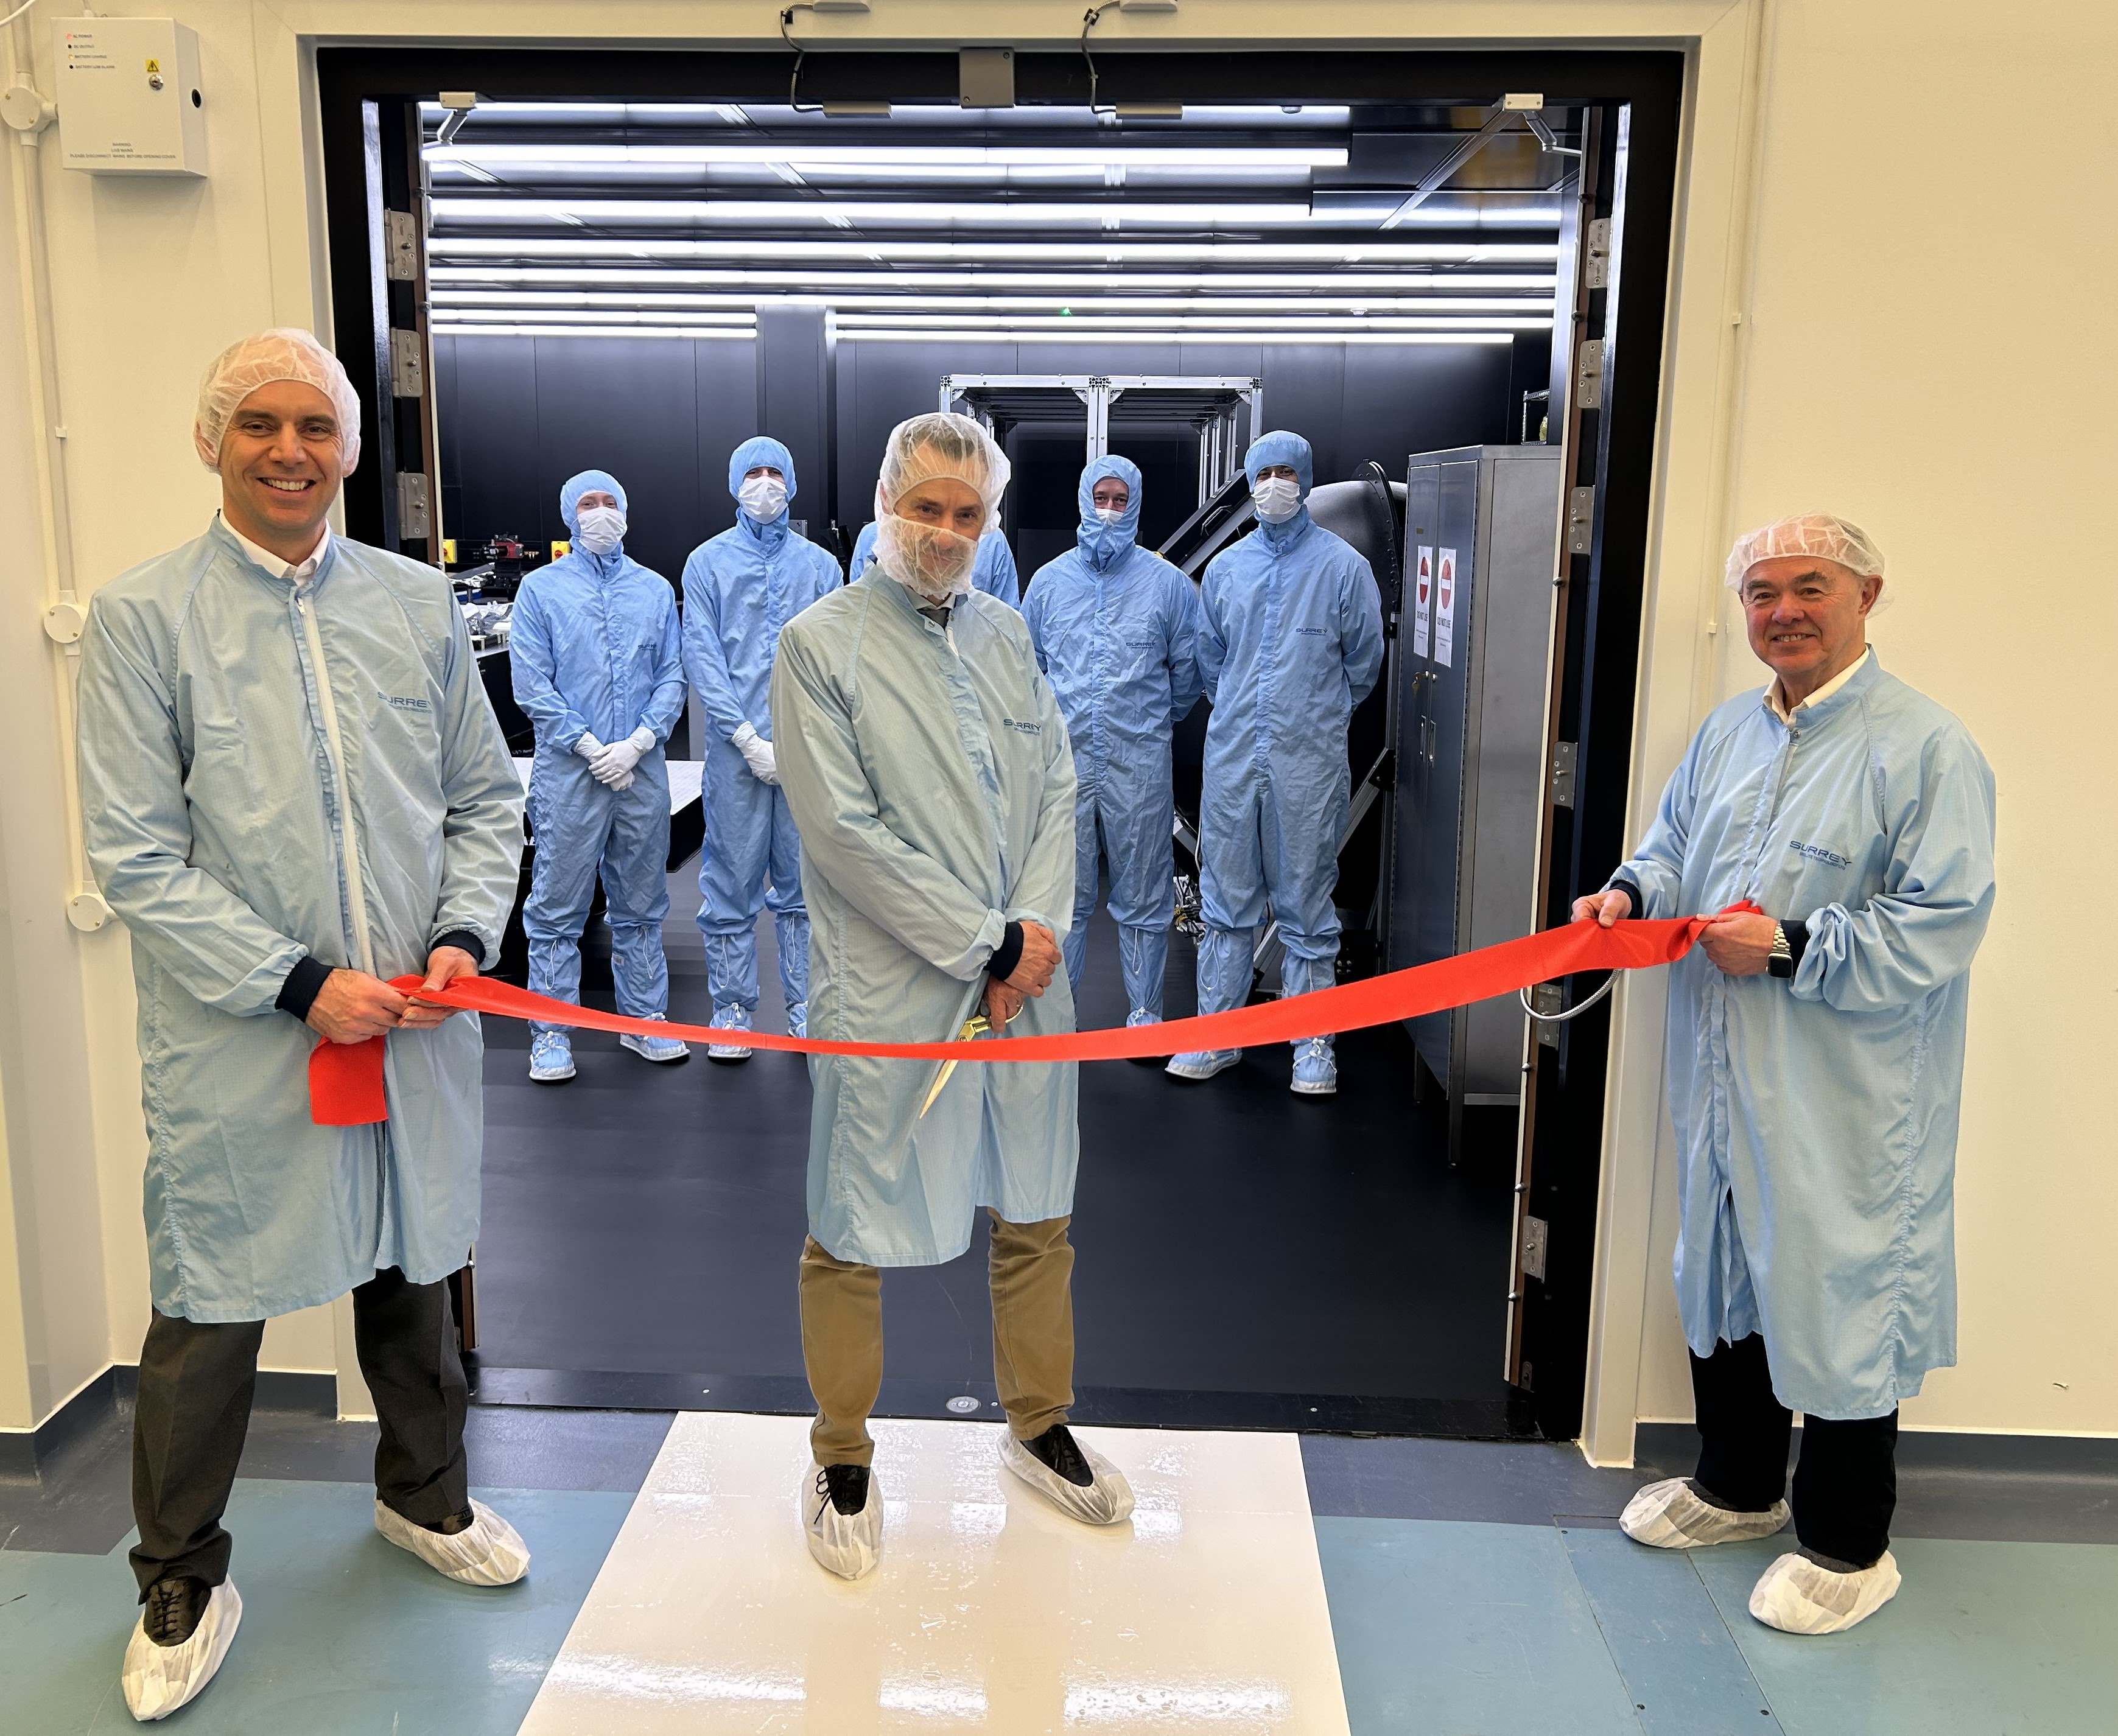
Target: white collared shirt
{"type": "Point", "coordinates": [1778, 706]}
{"type": "Point", "coordinates": [275, 566]}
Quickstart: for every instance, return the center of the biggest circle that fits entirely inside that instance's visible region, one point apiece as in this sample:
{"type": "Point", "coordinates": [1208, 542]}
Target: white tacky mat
{"type": "Point", "coordinates": [990, 1611]}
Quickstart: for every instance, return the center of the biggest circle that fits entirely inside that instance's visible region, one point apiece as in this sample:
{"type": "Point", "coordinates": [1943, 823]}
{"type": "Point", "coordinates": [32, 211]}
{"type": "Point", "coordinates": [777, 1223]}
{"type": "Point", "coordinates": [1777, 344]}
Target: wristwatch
{"type": "Point", "coordinates": [1781, 963]}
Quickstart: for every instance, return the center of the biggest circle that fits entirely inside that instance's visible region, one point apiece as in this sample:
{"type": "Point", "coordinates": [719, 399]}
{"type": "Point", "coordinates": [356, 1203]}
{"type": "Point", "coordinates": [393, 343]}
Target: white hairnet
{"type": "Point", "coordinates": [1820, 535]}
{"type": "Point", "coordinates": [939, 445]}
{"type": "Point", "coordinates": [285, 353]}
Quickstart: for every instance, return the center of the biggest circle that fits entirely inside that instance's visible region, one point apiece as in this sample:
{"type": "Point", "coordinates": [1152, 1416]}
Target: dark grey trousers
{"type": "Point", "coordinates": [196, 1383]}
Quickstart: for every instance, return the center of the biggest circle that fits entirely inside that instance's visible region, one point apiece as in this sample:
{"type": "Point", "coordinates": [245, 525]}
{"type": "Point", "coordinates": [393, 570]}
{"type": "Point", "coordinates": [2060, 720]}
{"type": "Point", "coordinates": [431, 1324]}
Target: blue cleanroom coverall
{"type": "Point", "coordinates": [1116, 628]}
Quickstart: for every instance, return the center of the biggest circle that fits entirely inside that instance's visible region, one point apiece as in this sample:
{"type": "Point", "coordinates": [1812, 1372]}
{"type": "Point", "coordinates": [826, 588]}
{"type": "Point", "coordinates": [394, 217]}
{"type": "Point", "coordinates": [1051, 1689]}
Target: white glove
{"type": "Point", "coordinates": [614, 762]}
{"type": "Point", "coordinates": [588, 747]}
{"type": "Point", "coordinates": [756, 753]}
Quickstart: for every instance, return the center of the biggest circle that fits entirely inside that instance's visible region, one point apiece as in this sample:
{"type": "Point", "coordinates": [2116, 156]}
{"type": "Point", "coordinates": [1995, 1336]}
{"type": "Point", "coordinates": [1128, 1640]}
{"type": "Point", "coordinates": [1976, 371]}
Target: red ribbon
{"type": "Point", "coordinates": [346, 1086]}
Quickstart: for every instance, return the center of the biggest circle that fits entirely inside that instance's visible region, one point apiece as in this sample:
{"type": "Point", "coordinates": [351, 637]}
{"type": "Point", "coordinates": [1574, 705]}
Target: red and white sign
{"type": "Point", "coordinates": [1444, 609]}
{"type": "Point", "coordinates": [1422, 607]}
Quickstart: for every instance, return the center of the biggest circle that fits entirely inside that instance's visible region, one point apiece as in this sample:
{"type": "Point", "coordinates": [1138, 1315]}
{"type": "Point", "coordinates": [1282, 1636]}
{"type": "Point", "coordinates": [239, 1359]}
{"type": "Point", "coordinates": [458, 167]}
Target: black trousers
{"type": "Point", "coordinates": [1846, 1486]}
{"type": "Point", "coordinates": [195, 1384]}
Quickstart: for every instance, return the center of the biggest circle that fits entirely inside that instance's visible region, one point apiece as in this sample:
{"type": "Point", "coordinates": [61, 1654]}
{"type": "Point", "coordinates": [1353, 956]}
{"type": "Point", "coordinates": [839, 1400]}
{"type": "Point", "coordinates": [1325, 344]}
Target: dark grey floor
{"type": "Point", "coordinates": [1245, 1257]}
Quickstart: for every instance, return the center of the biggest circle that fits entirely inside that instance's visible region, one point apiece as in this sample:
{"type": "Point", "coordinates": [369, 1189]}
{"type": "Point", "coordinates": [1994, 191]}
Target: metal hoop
{"type": "Point", "coordinates": [1610, 983]}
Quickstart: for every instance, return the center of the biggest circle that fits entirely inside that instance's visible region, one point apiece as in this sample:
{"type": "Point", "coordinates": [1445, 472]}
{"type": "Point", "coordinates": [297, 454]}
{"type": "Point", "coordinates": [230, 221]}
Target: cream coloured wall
{"type": "Point", "coordinates": [1924, 352]}
{"type": "Point", "coordinates": [1830, 385]}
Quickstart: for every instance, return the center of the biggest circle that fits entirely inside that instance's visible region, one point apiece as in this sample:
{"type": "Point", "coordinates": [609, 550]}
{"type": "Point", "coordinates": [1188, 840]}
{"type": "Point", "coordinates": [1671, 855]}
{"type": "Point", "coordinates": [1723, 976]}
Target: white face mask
{"type": "Point", "coordinates": [1112, 516]}
{"type": "Point", "coordinates": [599, 530]}
{"type": "Point", "coordinates": [763, 497]}
{"type": "Point", "coordinates": [1277, 499]}
{"type": "Point", "coordinates": [926, 558]}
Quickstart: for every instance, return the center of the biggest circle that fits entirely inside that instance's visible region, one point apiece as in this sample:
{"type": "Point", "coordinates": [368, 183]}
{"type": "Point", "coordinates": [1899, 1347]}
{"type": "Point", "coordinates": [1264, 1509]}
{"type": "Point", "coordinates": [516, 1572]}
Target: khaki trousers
{"type": "Point", "coordinates": [1030, 1268]}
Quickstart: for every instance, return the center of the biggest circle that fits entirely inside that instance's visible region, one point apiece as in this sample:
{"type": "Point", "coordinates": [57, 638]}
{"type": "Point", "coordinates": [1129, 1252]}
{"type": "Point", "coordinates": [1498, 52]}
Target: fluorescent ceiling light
{"type": "Point", "coordinates": [820, 155]}
{"type": "Point", "coordinates": [1083, 282]}
{"type": "Point", "coordinates": [610, 315]}
{"type": "Point", "coordinates": [922, 335]}
{"type": "Point", "coordinates": [592, 331]}
{"type": "Point", "coordinates": [1112, 251]}
{"type": "Point", "coordinates": [726, 112]}
{"type": "Point", "coordinates": [957, 213]}
{"type": "Point", "coordinates": [1054, 304]}
{"type": "Point", "coordinates": [1207, 320]}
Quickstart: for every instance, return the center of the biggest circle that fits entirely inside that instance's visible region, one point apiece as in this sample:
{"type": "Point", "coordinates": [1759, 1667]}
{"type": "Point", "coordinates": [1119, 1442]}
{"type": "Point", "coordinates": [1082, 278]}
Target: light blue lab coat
{"type": "Point", "coordinates": [741, 588]}
{"type": "Point", "coordinates": [1816, 1119]}
{"type": "Point", "coordinates": [215, 823]}
{"type": "Point", "coordinates": [593, 649]}
{"type": "Point", "coordinates": [1116, 630]}
{"type": "Point", "coordinates": [929, 774]}
{"type": "Point", "coordinates": [1290, 641]}
{"type": "Point", "coordinates": [994, 571]}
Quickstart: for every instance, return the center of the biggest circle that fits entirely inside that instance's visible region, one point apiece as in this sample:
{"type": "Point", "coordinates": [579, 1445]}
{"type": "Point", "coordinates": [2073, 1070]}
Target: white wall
{"type": "Point", "coordinates": [1923, 347]}
{"type": "Point", "coordinates": [1930, 353]}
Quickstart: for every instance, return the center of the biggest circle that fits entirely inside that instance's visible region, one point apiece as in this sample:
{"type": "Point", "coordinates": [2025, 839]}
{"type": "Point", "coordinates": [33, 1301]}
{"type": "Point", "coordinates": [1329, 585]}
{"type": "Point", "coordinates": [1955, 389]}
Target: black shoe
{"type": "Point", "coordinates": [845, 1487]}
{"type": "Point", "coordinates": [453, 1525]}
{"type": "Point", "coordinates": [1057, 1452]}
{"type": "Point", "coordinates": [173, 1608]}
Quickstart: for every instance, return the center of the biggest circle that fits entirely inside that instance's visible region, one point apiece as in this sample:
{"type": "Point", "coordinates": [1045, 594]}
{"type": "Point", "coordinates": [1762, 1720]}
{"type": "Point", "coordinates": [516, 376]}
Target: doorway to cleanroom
{"type": "Point", "coordinates": [1245, 1260]}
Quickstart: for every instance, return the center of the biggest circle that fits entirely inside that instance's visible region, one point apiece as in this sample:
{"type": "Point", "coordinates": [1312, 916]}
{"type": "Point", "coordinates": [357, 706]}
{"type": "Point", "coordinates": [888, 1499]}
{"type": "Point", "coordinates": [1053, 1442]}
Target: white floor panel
{"type": "Point", "coordinates": [991, 1612]}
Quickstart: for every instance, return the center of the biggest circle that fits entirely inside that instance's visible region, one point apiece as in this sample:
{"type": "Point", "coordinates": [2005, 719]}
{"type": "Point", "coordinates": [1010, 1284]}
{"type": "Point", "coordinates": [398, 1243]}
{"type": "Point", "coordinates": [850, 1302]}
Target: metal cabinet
{"type": "Point", "coordinates": [1480, 541]}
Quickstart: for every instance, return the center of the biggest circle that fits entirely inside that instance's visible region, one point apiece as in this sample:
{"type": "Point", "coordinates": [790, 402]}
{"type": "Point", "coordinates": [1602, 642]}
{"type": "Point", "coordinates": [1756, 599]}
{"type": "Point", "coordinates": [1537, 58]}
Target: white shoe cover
{"type": "Point", "coordinates": [490, 1553]}
{"type": "Point", "coordinates": [1667, 1516]}
{"type": "Point", "coordinates": [1797, 1596]}
{"type": "Point", "coordinates": [1106, 1501]}
{"type": "Point", "coordinates": [159, 1678]}
{"type": "Point", "coordinates": [849, 1545]}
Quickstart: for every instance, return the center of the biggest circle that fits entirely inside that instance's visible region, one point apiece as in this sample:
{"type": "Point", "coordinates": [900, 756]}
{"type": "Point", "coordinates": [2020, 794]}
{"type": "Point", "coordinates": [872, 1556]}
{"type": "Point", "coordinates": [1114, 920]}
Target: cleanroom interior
{"type": "Point", "coordinates": [638, 287]}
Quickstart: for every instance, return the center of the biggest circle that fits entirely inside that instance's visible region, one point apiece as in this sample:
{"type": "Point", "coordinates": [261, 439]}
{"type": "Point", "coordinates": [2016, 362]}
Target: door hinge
{"type": "Point", "coordinates": [1589, 374]}
{"type": "Point", "coordinates": [1535, 1232]}
{"type": "Point", "coordinates": [1550, 1002]}
{"type": "Point", "coordinates": [1596, 256]}
{"type": "Point", "coordinates": [1581, 521]}
{"type": "Point", "coordinates": [413, 519]}
{"type": "Point", "coordinates": [1566, 756]}
{"type": "Point", "coordinates": [408, 364]}
{"type": "Point", "coordinates": [400, 245]}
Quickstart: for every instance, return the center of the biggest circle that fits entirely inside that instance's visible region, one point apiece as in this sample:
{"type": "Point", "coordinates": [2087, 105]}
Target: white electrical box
{"type": "Point", "coordinates": [129, 98]}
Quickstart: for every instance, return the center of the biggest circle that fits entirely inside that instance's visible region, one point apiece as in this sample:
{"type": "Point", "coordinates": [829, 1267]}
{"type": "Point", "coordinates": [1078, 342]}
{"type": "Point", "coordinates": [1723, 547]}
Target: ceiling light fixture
{"type": "Point", "coordinates": [1410, 281]}
{"type": "Point", "coordinates": [1112, 251]}
{"type": "Point", "coordinates": [820, 156]}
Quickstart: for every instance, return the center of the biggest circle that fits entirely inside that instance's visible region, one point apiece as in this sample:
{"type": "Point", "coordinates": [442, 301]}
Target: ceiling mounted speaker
{"type": "Point", "coordinates": [987, 77]}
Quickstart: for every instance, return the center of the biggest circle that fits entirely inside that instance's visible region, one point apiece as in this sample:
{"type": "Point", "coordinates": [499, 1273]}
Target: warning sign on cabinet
{"type": "Point", "coordinates": [1422, 606]}
{"type": "Point", "coordinates": [1444, 609]}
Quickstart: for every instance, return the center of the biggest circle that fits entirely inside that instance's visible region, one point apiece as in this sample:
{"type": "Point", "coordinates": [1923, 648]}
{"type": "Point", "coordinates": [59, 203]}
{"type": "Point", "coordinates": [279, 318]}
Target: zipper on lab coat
{"type": "Point", "coordinates": [348, 845]}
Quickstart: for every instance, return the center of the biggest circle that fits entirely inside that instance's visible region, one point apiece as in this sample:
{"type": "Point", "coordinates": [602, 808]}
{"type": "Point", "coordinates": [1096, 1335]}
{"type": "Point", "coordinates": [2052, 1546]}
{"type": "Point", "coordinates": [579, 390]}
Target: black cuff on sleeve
{"type": "Point", "coordinates": [299, 993]}
{"type": "Point", "coordinates": [1006, 955]}
{"type": "Point", "coordinates": [464, 940]}
{"type": "Point", "coordinates": [1625, 884]}
{"type": "Point", "coordinates": [1797, 934]}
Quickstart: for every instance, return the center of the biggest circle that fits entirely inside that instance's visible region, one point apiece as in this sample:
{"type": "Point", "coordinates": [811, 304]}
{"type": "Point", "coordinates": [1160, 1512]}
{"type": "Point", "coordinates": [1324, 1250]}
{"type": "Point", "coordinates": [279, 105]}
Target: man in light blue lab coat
{"type": "Point", "coordinates": [1116, 631]}
{"type": "Point", "coordinates": [1816, 1062]}
{"type": "Point", "coordinates": [598, 671]}
{"type": "Point", "coordinates": [741, 588]}
{"type": "Point", "coordinates": [926, 763]}
{"type": "Point", "coordinates": [294, 791]}
{"type": "Point", "coordinates": [1290, 641]}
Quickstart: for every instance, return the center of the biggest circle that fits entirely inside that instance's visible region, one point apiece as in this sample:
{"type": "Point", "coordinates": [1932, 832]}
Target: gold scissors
{"type": "Point", "coordinates": [977, 1025]}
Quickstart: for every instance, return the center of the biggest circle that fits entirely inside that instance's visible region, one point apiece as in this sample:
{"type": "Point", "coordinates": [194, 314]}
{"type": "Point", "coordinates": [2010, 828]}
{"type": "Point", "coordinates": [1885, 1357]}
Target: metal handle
{"type": "Point", "coordinates": [1610, 983]}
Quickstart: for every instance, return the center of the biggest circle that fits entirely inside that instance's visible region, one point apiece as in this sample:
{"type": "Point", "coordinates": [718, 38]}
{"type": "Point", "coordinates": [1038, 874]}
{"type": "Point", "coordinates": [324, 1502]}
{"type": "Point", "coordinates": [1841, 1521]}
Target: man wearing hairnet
{"type": "Point", "coordinates": [294, 791]}
{"type": "Point", "coordinates": [741, 588]}
{"type": "Point", "coordinates": [993, 572]}
{"type": "Point", "coordinates": [600, 673]}
{"type": "Point", "coordinates": [926, 763]}
{"type": "Point", "coordinates": [1815, 1059]}
{"type": "Point", "coordinates": [1116, 629]}
{"type": "Point", "coordinates": [1290, 641]}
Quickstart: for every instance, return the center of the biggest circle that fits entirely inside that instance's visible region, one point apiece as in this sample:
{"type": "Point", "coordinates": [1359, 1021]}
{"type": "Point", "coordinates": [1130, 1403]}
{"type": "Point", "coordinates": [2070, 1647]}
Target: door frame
{"type": "Point", "coordinates": [1681, 521]}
